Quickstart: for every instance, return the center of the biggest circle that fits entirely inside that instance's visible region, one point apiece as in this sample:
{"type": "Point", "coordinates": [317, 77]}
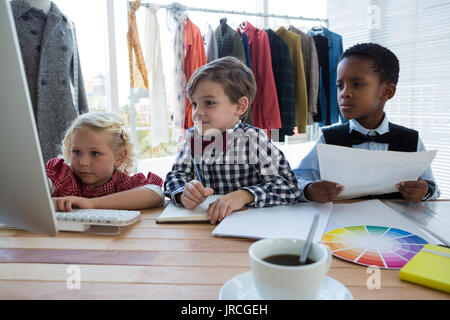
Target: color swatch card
{"type": "Point", "coordinates": [370, 233]}
{"type": "Point", "coordinates": [384, 247]}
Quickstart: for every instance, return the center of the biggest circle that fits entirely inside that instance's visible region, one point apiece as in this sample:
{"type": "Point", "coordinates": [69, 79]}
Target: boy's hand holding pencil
{"type": "Point", "coordinates": [194, 193]}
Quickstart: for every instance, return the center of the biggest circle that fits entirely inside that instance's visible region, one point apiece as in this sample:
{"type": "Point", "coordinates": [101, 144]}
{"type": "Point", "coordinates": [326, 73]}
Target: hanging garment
{"type": "Point", "coordinates": [194, 58]}
{"type": "Point", "coordinates": [249, 117]}
{"type": "Point", "coordinates": [265, 109]}
{"type": "Point", "coordinates": [211, 48]}
{"type": "Point", "coordinates": [138, 72]}
{"type": "Point", "coordinates": [295, 47]}
{"type": "Point", "coordinates": [311, 65]}
{"type": "Point", "coordinates": [323, 101]}
{"type": "Point", "coordinates": [159, 121]}
{"type": "Point", "coordinates": [178, 15]}
{"type": "Point", "coordinates": [50, 56]}
{"type": "Point", "coordinates": [284, 82]}
{"type": "Point", "coordinates": [229, 41]}
{"type": "Point", "coordinates": [335, 50]}
{"type": "Point", "coordinates": [248, 57]}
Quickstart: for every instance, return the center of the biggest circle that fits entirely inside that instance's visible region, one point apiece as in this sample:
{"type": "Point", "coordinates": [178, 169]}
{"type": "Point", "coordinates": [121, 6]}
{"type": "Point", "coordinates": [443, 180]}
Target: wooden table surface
{"type": "Point", "coordinates": [153, 261]}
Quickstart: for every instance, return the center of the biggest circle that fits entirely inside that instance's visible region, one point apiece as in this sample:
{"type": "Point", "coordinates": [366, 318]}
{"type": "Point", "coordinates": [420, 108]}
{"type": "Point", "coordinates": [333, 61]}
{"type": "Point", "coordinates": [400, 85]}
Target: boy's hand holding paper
{"type": "Point", "coordinates": [323, 191]}
{"type": "Point", "coordinates": [413, 191]}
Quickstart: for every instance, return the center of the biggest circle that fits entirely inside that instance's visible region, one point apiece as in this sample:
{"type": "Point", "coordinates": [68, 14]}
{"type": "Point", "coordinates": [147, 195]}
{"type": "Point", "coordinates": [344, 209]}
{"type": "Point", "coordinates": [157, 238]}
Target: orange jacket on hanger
{"type": "Point", "coordinates": [194, 57]}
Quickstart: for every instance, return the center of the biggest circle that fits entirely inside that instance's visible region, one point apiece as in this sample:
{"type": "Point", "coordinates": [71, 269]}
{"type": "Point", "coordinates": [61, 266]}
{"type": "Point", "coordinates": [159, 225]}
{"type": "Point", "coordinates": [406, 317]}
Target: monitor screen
{"type": "Point", "coordinates": [25, 199]}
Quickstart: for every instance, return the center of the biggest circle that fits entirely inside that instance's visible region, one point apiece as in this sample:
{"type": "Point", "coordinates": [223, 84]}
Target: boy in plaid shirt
{"type": "Point", "coordinates": [232, 158]}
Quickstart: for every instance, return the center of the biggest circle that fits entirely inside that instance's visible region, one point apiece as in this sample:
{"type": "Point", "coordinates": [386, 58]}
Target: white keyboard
{"type": "Point", "coordinates": [82, 219]}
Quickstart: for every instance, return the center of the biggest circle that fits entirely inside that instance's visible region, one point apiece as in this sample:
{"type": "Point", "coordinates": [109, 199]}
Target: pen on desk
{"type": "Point", "coordinates": [196, 170]}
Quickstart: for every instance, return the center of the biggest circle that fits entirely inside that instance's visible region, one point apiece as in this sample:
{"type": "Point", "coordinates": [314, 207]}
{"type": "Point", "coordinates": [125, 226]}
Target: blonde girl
{"type": "Point", "coordinates": [93, 172]}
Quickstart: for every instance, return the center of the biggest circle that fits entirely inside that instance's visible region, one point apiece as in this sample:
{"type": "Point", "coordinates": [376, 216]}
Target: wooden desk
{"type": "Point", "coordinates": [153, 261]}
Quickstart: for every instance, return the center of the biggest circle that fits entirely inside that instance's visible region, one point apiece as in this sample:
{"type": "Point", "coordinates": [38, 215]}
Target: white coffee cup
{"type": "Point", "coordinates": [273, 281]}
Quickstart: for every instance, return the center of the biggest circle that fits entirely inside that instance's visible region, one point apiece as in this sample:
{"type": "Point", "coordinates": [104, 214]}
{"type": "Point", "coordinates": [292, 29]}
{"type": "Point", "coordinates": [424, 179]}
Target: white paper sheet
{"type": "Point", "coordinates": [432, 216]}
{"type": "Point", "coordinates": [373, 213]}
{"type": "Point", "coordinates": [365, 172]}
{"type": "Point", "coordinates": [276, 222]}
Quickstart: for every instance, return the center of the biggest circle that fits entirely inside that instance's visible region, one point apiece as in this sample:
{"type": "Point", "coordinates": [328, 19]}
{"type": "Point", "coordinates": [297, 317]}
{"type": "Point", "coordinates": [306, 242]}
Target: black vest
{"type": "Point", "coordinates": [405, 140]}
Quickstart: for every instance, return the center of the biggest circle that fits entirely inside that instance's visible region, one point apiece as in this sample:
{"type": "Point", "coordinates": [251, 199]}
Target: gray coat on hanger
{"type": "Point", "coordinates": [48, 51]}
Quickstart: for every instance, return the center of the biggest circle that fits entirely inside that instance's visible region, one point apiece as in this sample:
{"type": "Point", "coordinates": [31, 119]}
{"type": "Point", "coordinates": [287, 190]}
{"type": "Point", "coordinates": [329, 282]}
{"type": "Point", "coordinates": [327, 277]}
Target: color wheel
{"type": "Point", "coordinates": [384, 247]}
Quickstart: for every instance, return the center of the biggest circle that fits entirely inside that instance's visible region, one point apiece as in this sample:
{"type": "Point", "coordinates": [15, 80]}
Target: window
{"type": "Point", "coordinates": [418, 32]}
{"type": "Point", "coordinates": [91, 47]}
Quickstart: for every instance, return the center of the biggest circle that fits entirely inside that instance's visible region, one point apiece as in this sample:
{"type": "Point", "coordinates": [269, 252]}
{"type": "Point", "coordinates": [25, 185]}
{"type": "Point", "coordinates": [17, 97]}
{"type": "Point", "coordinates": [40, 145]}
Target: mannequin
{"type": "Point", "coordinates": [43, 5]}
{"type": "Point", "coordinates": [52, 68]}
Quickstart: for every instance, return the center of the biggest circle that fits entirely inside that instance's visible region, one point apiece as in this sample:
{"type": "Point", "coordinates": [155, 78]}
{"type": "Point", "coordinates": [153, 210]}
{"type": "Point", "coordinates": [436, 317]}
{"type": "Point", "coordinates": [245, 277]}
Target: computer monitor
{"type": "Point", "coordinates": [25, 199]}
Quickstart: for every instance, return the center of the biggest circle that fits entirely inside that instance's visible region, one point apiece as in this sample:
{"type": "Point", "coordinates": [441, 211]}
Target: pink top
{"type": "Point", "coordinates": [66, 183]}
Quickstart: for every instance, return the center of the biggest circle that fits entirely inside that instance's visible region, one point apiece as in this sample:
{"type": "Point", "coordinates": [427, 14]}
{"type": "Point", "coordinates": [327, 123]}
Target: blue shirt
{"type": "Point", "coordinates": [308, 170]}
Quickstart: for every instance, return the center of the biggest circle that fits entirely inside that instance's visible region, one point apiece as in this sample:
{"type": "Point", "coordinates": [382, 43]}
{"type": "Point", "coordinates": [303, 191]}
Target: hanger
{"type": "Point", "coordinates": [207, 24]}
{"type": "Point", "coordinates": [223, 24]}
{"type": "Point", "coordinates": [288, 19]}
{"type": "Point", "coordinates": [243, 26]}
{"type": "Point", "coordinates": [177, 11]}
{"type": "Point", "coordinates": [275, 25]}
{"type": "Point", "coordinates": [317, 30]}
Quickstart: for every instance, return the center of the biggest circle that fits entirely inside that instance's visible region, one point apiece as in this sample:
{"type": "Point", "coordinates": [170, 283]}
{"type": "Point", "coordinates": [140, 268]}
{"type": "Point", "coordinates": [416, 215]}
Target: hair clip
{"type": "Point", "coordinates": [121, 134]}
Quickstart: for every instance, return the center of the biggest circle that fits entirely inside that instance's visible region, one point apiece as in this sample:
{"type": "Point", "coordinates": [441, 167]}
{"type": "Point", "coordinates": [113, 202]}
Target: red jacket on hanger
{"type": "Point", "coordinates": [194, 57]}
{"type": "Point", "coordinates": [265, 109]}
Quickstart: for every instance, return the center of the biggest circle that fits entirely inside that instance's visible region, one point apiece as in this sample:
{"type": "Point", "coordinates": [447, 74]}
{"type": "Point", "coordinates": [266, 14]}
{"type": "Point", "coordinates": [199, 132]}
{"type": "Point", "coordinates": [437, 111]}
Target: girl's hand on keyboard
{"type": "Point", "coordinates": [67, 203]}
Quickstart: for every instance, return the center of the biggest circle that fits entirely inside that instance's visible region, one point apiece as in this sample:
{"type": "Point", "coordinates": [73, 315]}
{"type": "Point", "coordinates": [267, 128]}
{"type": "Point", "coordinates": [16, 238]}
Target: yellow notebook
{"type": "Point", "coordinates": [430, 267]}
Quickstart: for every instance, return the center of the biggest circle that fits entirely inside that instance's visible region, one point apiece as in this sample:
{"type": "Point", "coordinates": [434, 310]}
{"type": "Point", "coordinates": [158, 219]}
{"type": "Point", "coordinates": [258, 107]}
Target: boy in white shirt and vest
{"type": "Point", "coordinates": [367, 77]}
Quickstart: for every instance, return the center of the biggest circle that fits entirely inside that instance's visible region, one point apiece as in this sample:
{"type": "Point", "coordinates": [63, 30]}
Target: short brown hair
{"type": "Point", "coordinates": [235, 77]}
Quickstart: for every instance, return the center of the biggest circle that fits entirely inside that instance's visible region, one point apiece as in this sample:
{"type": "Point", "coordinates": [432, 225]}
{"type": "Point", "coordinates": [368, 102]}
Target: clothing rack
{"type": "Point", "coordinates": [244, 13]}
{"type": "Point", "coordinates": [314, 131]}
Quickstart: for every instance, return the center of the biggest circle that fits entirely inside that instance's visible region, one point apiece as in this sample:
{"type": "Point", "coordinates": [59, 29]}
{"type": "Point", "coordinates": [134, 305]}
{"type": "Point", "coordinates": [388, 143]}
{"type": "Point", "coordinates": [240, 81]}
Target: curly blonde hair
{"type": "Point", "coordinates": [107, 122]}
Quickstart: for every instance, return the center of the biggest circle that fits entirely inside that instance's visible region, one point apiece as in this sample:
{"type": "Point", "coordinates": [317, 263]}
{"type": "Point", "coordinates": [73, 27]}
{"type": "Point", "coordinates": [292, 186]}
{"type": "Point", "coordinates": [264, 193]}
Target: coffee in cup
{"type": "Point", "coordinates": [277, 275]}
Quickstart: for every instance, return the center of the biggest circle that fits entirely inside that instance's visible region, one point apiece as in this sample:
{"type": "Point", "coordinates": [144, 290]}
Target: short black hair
{"type": "Point", "coordinates": [384, 61]}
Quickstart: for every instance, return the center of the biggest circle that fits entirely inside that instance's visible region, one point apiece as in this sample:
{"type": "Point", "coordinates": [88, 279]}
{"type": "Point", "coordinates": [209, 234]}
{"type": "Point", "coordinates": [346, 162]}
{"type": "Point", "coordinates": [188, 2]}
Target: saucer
{"type": "Point", "coordinates": [242, 287]}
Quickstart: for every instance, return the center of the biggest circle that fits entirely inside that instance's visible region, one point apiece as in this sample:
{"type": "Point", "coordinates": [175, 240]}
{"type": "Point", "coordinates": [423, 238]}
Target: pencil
{"type": "Point", "coordinates": [196, 170]}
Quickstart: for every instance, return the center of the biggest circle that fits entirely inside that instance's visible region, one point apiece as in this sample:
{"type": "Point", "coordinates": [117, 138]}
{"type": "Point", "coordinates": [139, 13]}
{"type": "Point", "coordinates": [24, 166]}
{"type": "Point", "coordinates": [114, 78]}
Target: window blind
{"type": "Point", "coordinates": [418, 32]}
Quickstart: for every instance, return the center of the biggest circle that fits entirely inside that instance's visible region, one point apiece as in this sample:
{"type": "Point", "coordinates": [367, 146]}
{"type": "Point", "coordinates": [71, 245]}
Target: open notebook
{"type": "Point", "coordinates": [172, 213]}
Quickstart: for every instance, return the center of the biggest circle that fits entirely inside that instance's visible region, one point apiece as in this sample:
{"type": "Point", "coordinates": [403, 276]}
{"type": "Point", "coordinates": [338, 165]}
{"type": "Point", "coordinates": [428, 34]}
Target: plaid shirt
{"type": "Point", "coordinates": [249, 162]}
